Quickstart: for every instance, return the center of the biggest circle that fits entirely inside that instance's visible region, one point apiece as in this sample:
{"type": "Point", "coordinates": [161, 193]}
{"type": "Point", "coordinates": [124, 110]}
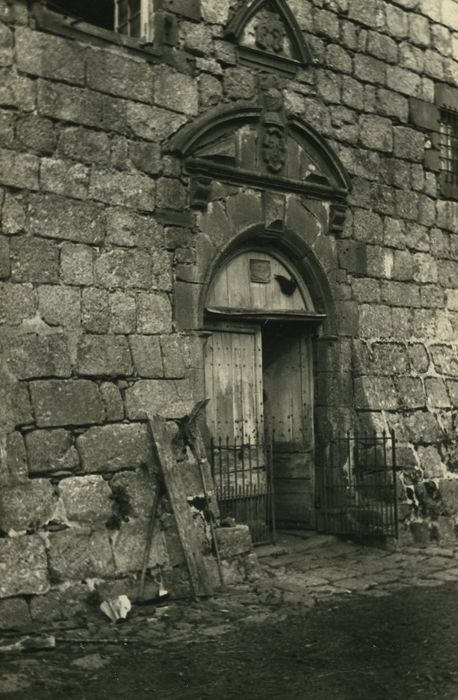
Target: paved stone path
{"type": "Point", "coordinates": [305, 568]}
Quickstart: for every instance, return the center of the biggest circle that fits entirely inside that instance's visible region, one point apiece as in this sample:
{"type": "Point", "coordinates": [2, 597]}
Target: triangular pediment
{"type": "Point", "coordinates": [267, 32]}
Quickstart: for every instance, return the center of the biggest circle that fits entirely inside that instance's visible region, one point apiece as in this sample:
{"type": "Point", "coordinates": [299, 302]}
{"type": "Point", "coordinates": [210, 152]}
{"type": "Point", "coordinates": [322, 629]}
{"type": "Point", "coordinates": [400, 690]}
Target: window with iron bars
{"type": "Point", "coordinates": [133, 17]}
{"type": "Point", "coordinates": [449, 150]}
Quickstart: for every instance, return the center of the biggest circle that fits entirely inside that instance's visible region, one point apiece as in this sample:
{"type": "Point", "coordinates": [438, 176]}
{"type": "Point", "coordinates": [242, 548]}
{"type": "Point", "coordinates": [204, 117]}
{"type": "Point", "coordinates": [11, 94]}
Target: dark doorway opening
{"type": "Point", "coordinates": [288, 414]}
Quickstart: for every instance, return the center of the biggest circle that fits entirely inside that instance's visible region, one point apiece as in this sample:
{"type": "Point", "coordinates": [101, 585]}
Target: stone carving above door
{"type": "Point", "coordinates": [268, 35]}
{"type": "Point", "coordinates": [258, 145]}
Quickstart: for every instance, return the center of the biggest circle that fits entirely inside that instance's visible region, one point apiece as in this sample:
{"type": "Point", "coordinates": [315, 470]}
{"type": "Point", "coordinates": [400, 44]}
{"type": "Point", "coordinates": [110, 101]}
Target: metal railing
{"type": "Point", "coordinates": [356, 489]}
{"type": "Point", "coordinates": [242, 473]}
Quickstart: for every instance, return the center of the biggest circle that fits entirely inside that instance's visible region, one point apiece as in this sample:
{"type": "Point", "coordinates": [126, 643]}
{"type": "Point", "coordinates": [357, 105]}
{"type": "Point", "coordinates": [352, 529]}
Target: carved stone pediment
{"type": "Point", "coordinates": [260, 146]}
{"type": "Point", "coordinates": [268, 35]}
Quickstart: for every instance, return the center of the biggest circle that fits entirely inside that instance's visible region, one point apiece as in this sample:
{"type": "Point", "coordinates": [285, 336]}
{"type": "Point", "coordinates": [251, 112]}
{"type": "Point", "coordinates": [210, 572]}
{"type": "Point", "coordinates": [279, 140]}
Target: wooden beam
{"type": "Point", "coordinates": [187, 531]}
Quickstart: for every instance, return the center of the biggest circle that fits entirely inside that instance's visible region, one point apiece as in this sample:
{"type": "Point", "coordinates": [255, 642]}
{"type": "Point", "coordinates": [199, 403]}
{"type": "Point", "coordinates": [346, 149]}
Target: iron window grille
{"type": "Point", "coordinates": [449, 146]}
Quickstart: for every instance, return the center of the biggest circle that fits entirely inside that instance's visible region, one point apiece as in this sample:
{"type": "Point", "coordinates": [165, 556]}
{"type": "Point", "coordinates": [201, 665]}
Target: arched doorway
{"type": "Point", "coordinates": [259, 378]}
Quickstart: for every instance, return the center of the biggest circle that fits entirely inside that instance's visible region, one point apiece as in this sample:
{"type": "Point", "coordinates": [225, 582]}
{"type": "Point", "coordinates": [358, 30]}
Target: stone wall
{"type": "Point", "coordinates": [102, 263]}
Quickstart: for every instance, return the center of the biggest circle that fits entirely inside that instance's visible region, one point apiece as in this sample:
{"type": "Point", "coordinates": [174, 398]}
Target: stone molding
{"type": "Point", "coordinates": [267, 51]}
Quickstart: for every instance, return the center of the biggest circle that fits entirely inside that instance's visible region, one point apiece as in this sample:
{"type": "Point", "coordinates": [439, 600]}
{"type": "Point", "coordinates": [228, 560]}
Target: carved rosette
{"type": "Point", "coordinates": [274, 148]}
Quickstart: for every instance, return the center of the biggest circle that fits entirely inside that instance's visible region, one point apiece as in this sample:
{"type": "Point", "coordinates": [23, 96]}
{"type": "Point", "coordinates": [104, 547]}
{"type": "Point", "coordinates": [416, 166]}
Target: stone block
{"type": "Point", "coordinates": [445, 359]}
{"type": "Point", "coordinates": [49, 56]}
{"type": "Point", "coordinates": [55, 217]}
{"type": "Point", "coordinates": [436, 392]}
{"type": "Point", "coordinates": [26, 506]}
{"type": "Point", "coordinates": [326, 23]}
{"type": "Point", "coordinates": [126, 189]}
{"type": "Point", "coordinates": [84, 145]}
{"type": "Point", "coordinates": [30, 356]}
{"type": "Point", "coordinates": [403, 81]}
{"type": "Point", "coordinates": [16, 90]}
{"type": "Point", "coordinates": [34, 260]}
{"type": "Point", "coordinates": [153, 123]}
{"type": "Point", "coordinates": [22, 408]}
{"type": "Point", "coordinates": [418, 357]}
{"type": "Point", "coordinates": [86, 499]}
{"type": "Point", "coordinates": [18, 169]}
{"type": "Point", "coordinates": [77, 554]}
{"type": "Point", "coordinates": [5, 266]}
{"type": "Point", "coordinates": [119, 74]}
{"type": "Point", "coordinates": [369, 69]}
{"type": "Point", "coordinates": [14, 214]}
{"type": "Point", "coordinates": [170, 398]}
{"type": "Point", "coordinates": [234, 541]}
{"type": "Point", "coordinates": [112, 399]}
{"type": "Point", "coordinates": [139, 488]}
{"type": "Point", "coordinates": [452, 387]}
{"type": "Point", "coordinates": [375, 321]}
{"type": "Point", "coordinates": [411, 392]}
{"type": "Point", "coordinates": [95, 310]}
{"type": "Point", "coordinates": [239, 84]}
{"type": "Point", "coordinates": [401, 294]}
{"type": "Point", "coordinates": [376, 133]}
{"type": "Point", "coordinates": [367, 226]}
{"type": "Point", "coordinates": [210, 90]}
{"type": "Point", "coordinates": [14, 467]}
{"type": "Point", "coordinates": [23, 566]}
{"type": "Point", "coordinates": [408, 143]}
{"type": "Point", "coordinates": [35, 133]}
{"type": "Point", "coordinates": [63, 603]}
{"type": "Point", "coordinates": [403, 266]}
{"type": "Point", "coordinates": [14, 614]}
{"type": "Point", "coordinates": [146, 157]}
{"type": "Point", "coordinates": [367, 12]}
{"type": "Point", "coordinates": [51, 451]}
{"type": "Point", "coordinates": [171, 194]}
{"type": "Point", "coordinates": [173, 356]}
{"type": "Point", "coordinates": [174, 90]}
{"type": "Point", "coordinates": [382, 47]}
{"type": "Point", "coordinates": [113, 447]}
{"type": "Point", "coordinates": [389, 358]}
{"type": "Point", "coordinates": [375, 393]}
{"type": "Point", "coordinates": [103, 355]}
{"type": "Point", "coordinates": [422, 427]}
{"type": "Point", "coordinates": [147, 356]}
{"type": "Point", "coordinates": [66, 402]}
{"type": "Point", "coordinates": [131, 230]}
{"type": "Point", "coordinates": [352, 93]}
{"type": "Point", "coordinates": [126, 269]}
{"type": "Point", "coordinates": [129, 546]}
{"type": "Point", "coordinates": [123, 313]}
{"type": "Point", "coordinates": [154, 313]}
{"type": "Point", "coordinates": [17, 303]}
{"type": "Point", "coordinates": [59, 306]}
{"type": "Point", "coordinates": [77, 264]}
{"type": "Point", "coordinates": [79, 106]}
{"type": "Point", "coordinates": [64, 177]}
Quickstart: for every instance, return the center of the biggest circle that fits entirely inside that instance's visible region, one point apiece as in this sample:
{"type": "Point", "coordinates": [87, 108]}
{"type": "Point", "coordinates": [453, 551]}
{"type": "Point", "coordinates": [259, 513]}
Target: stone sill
{"type": "Point", "coordinates": [72, 28]}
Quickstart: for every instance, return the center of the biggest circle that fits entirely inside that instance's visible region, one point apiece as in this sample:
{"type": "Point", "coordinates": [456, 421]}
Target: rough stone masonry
{"type": "Point", "coordinates": [107, 240]}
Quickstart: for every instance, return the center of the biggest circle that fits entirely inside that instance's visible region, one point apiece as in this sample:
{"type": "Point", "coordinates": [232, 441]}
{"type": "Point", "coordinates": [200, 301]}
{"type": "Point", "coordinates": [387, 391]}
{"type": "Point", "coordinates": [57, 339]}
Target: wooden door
{"type": "Point", "coordinates": [233, 382]}
{"type": "Point", "coordinates": [288, 401]}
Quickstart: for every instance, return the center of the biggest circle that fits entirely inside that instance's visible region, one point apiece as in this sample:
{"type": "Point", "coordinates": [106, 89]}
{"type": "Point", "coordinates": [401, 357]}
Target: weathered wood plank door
{"type": "Point", "coordinates": [288, 401]}
{"type": "Point", "coordinates": [233, 381]}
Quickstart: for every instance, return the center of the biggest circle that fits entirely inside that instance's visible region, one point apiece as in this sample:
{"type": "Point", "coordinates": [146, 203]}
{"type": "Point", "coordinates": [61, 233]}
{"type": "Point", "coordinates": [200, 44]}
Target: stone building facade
{"type": "Point", "coordinates": [322, 135]}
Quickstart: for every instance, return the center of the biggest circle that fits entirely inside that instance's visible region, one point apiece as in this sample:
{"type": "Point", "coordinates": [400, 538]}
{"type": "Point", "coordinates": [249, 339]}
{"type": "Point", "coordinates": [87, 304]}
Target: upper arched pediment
{"type": "Point", "coordinates": [258, 145]}
{"type": "Point", "coordinates": [267, 34]}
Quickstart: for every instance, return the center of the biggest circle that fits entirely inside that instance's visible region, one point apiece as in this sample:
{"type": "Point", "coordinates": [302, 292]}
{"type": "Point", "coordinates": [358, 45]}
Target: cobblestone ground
{"type": "Point", "coordinates": [321, 619]}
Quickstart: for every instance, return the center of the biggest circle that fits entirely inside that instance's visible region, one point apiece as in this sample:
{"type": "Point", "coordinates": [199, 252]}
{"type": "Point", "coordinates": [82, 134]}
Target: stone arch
{"type": "Point", "coordinates": [293, 248]}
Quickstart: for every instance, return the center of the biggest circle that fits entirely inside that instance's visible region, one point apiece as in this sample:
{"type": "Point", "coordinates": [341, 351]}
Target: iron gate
{"type": "Point", "coordinates": [242, 473]}
{"type": "Point", "coordinates": [356, 489]}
